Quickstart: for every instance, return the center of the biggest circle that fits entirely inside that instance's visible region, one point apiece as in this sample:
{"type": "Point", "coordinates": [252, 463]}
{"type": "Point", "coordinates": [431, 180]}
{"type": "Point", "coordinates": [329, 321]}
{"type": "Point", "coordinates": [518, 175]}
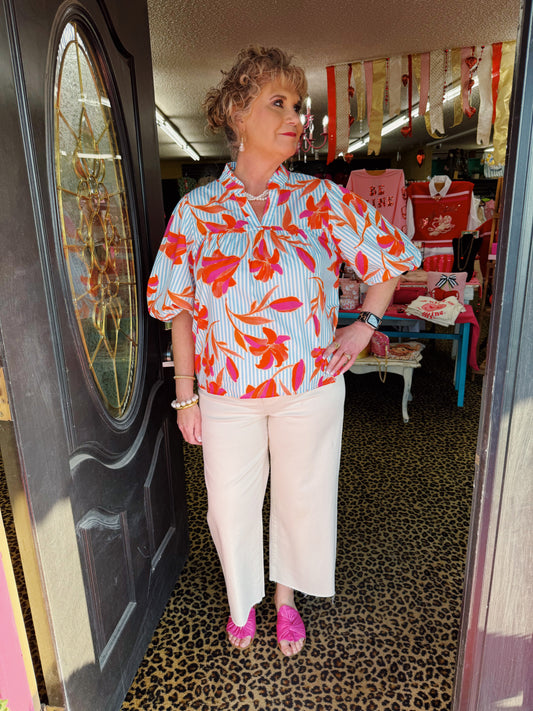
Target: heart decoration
{"type": "Point", "coordinates": [470, 84]}
{"type": "Point", "coordinates": [470, 111]}
{"type": "Point", "coordinates": [441, 294]}
{"type": "Point", "coordinates": [471, 62]}
{"type": "Point", "coordinates": [420, 157]}
{"type": "Point", "coordinates": [406, 131]}
{"type": "Point", "coordinates": [405, 79]}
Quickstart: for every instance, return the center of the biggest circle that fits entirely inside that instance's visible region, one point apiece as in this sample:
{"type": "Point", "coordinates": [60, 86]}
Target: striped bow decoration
{"type": "Point", "coordinates": [447, 280]}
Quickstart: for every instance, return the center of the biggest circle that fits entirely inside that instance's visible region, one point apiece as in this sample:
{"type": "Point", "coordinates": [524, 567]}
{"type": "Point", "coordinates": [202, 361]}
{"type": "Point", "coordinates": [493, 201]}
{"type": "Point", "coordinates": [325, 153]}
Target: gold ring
{"type": "Point", "coordinates": [348, 357]}
{"type": "Point", "coordinates": [337, 345]}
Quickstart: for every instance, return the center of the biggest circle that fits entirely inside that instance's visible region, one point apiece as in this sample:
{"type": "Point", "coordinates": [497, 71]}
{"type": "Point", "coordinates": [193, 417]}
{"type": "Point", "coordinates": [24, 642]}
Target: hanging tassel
{"type": "Point", "coordinates": [332, 114]}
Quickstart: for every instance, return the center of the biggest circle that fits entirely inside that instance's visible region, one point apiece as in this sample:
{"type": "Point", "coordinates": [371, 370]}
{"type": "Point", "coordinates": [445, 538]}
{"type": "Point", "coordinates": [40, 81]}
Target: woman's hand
{"type": "Point", "coordinates": [190, 424]}
{"type": "Point", "coordinates": [349, 342]}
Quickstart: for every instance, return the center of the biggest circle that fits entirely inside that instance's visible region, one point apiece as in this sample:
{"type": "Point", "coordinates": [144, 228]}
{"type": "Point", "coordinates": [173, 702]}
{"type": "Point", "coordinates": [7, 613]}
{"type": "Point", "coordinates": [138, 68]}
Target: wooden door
{"type": "Point", "coordinates": [97, 446]}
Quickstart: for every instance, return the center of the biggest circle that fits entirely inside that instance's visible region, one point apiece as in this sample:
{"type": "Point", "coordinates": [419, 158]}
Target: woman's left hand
{"type": "Point", "coordinates": [348, 343]}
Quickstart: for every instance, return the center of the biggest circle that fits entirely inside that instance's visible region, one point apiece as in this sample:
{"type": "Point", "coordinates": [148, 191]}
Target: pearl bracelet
{"type": "Point", "coordinates": [184, 404]}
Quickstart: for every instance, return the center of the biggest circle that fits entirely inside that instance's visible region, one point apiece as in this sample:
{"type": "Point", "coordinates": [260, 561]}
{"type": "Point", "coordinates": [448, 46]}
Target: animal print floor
{"type": "Point", "coordinates": [387, 642]}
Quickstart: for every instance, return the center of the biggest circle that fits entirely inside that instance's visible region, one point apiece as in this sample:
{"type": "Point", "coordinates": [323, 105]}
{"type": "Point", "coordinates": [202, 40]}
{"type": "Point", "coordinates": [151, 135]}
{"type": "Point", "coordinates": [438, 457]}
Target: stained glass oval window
{"type": "Point", "coordinates": [95, 221]}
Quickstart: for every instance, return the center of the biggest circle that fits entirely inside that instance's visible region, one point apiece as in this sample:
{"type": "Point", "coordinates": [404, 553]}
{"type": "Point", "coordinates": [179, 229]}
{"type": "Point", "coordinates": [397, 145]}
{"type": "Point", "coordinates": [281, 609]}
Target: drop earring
{"type": "Point", "coordinates": [241, 145]}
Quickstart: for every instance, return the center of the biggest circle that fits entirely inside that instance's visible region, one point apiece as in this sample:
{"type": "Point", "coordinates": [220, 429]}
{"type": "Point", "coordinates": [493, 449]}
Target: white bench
{"type": "Point", "coordinates": [384, 366]}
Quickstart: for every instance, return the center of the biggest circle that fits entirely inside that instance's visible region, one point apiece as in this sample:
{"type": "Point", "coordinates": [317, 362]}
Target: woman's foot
{"type": "Point", "coordinates": [290, 629]}
{"type": "Point", "coordinates": [241, 637]}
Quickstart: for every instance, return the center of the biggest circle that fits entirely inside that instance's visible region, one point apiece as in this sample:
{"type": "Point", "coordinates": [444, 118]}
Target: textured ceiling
{"type": "Point", "coordinates": [192, 41]}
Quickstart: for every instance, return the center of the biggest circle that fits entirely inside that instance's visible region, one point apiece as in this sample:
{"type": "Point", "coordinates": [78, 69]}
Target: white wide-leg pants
{"type": "Point", "coordinates": [300, 437]}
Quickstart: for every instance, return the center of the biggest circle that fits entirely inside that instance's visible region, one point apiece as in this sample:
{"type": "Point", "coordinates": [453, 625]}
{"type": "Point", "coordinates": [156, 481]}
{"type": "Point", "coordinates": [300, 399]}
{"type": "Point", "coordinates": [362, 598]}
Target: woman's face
{"type": "Point", "coordinates": [272, 127]}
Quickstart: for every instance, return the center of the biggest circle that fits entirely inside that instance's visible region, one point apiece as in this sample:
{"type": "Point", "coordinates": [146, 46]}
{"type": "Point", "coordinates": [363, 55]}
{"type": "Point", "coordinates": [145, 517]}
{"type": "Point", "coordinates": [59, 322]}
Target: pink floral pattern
{"type": "Point", "coordinates": [264, 294]}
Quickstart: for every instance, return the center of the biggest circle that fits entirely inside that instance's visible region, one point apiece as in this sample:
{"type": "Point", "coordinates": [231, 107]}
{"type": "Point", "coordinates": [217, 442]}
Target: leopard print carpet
{"type": "Point", "coordinates": [388, 640]}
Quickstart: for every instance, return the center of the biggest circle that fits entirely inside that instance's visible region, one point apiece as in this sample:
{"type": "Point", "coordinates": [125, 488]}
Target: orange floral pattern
{"type": "Point", "coordinates": [264, 294]}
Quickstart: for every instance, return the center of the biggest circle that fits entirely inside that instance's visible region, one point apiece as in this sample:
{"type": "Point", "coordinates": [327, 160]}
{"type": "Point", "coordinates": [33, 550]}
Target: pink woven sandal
{"type": "Point", "coordinates": [289, 626]}
{"type": "Point", "coordinates": [248, 630]}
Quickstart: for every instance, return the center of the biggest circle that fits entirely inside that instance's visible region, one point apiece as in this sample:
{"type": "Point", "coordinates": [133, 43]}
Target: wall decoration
{"type": "Point", "coordinates": [380, 86]}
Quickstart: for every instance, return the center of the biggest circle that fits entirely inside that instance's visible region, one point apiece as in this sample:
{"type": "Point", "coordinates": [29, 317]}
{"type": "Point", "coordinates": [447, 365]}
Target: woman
{"type": "Point", "coordinates": [248, 273]}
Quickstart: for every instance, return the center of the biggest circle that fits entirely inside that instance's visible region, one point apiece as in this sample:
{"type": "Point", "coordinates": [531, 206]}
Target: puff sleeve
{"type": "Point", "coordinates": [375, 248]}
{"type": "Point", "coordinates": [171, 286]}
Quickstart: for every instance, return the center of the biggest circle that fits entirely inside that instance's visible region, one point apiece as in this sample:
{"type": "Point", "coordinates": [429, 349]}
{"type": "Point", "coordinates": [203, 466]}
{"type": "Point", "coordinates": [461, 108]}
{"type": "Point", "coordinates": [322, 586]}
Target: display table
{"type": "Point", "coordinates": [465, 332]}
{"type": "Point", "coordinates": [384, 366]}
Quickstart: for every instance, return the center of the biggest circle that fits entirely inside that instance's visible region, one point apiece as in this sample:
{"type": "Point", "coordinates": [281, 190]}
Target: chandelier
{"type": "Point", "coordinates": [308, 143]}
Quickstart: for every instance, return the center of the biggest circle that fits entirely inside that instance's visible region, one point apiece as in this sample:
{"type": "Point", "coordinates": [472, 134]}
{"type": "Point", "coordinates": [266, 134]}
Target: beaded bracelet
{"type": "Point", "coordinates": [186, 407]}
{"type": "Point", "coordinates": [184, 404]}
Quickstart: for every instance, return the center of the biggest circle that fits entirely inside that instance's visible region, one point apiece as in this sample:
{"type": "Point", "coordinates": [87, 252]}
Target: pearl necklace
{"type": "Point", "coordinates": [253, 198]}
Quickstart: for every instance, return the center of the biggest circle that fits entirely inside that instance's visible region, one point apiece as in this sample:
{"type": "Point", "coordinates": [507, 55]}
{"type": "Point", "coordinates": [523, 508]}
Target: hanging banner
{"type": "Point", "coordinates": [368, 83]}
{"type": "Point", "coordinates": [484, 73]}
{"type": "Point", "coordinates": [379, 75]}
{"type": "Point", "coordinates": [466, 59]}
{"type": "Point", "coordinates": [332, 114]}
{"type": "Point", "coordinates": [502, 103]}
{"type": "Point", "coordinates": [456, 81]}
{"type": "Point", "coordinates": [496, 62]}
{"type": "Point", "coordinates": [384, 79]}
{"type": "Point", "coordinates": [342, 88]}
{"type": "Point", "coordinates": [424, 83]}
{"type": "Point", "coordinates": [436, 91]}
{"type": "Point", "coordinates": [394, 82]}
{"type": "Point", "coordinates": [359, 84]}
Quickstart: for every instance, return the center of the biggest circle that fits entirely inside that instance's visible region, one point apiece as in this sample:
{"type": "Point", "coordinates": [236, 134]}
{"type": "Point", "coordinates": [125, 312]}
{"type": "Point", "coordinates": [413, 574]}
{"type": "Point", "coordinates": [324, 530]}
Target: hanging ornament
{"type": "Point", "coordinates": [408, 130]}
{"type": "Point", "coordinates": [420, 157]}
{"type": "Point", "coordinates": [472, 63]}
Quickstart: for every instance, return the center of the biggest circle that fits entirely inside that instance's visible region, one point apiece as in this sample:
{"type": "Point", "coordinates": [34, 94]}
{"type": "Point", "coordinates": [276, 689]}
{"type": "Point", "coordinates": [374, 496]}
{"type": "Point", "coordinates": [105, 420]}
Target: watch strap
{"type": "Point", "coordinates": [371, 319]}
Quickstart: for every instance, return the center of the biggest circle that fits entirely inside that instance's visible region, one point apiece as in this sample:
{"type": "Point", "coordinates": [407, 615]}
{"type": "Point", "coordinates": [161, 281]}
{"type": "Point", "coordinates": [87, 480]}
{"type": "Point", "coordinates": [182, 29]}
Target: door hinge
{"type": "Point", "coordinates": [5, 412]}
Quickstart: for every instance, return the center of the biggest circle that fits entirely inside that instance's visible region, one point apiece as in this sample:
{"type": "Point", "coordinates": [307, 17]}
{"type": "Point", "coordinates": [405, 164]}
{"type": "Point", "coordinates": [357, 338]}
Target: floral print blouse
{"type": "Point", "coordinates": [263, 294]}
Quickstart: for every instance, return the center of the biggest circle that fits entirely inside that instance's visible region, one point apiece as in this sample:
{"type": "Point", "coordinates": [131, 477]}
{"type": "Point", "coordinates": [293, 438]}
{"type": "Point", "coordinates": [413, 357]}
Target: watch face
{"type": "Point", "coordinates": [371, 319]}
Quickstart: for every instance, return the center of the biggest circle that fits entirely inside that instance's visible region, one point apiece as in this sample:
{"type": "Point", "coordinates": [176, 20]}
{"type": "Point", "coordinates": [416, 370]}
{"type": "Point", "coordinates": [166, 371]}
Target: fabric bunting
{"type": "Point", "coordinates": [456, 80]}
{"type": "Point", "coordinates": [505, 86]}
{"type": "Point", "coordinates": [368, 83]}
{"type": "Point", "coordinates": [434, 72]}
{"type": "Point", "coordinates": [424, 83]}
{"type": "Point", "coordinates": [466, 53]}
{"type": "Point", "coordinates": [342, 87]}
{"type": "Point", "coordinates": [359, 84]}
{"type": "Point", "coordinates": [496, 63]}
{"type": "Point", "coordinates": [338, 110]}
{"type": "Point", "coordinates": [437, 83]}
{"type": "Point", "coordinates": [417, 61]}
{"type": "Point", "coordinates": [332, 114]}
{"type": "Point", "coordinates": [484, 122]}
{"type": "Point", "coordinates": [394, 81]}
{"type": "Point", "coordinates": [379, 75]}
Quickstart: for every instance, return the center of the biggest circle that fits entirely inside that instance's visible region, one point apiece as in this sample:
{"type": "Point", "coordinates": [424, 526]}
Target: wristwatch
{"type": "Point", "coordinates": [371, 319]}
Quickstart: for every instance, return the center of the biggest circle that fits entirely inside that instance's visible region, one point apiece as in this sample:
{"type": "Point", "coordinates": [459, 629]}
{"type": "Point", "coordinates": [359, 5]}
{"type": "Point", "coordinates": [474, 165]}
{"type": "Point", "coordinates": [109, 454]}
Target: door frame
{"type": "Point", "coordinates": [495, 655]}
{"type": "Point", "coordinates": [50, 551]}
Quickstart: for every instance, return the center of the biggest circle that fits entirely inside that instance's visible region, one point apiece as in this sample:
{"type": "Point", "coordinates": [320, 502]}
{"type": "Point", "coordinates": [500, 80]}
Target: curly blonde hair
{"type": "Point", "coordinates": [254, 67]}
